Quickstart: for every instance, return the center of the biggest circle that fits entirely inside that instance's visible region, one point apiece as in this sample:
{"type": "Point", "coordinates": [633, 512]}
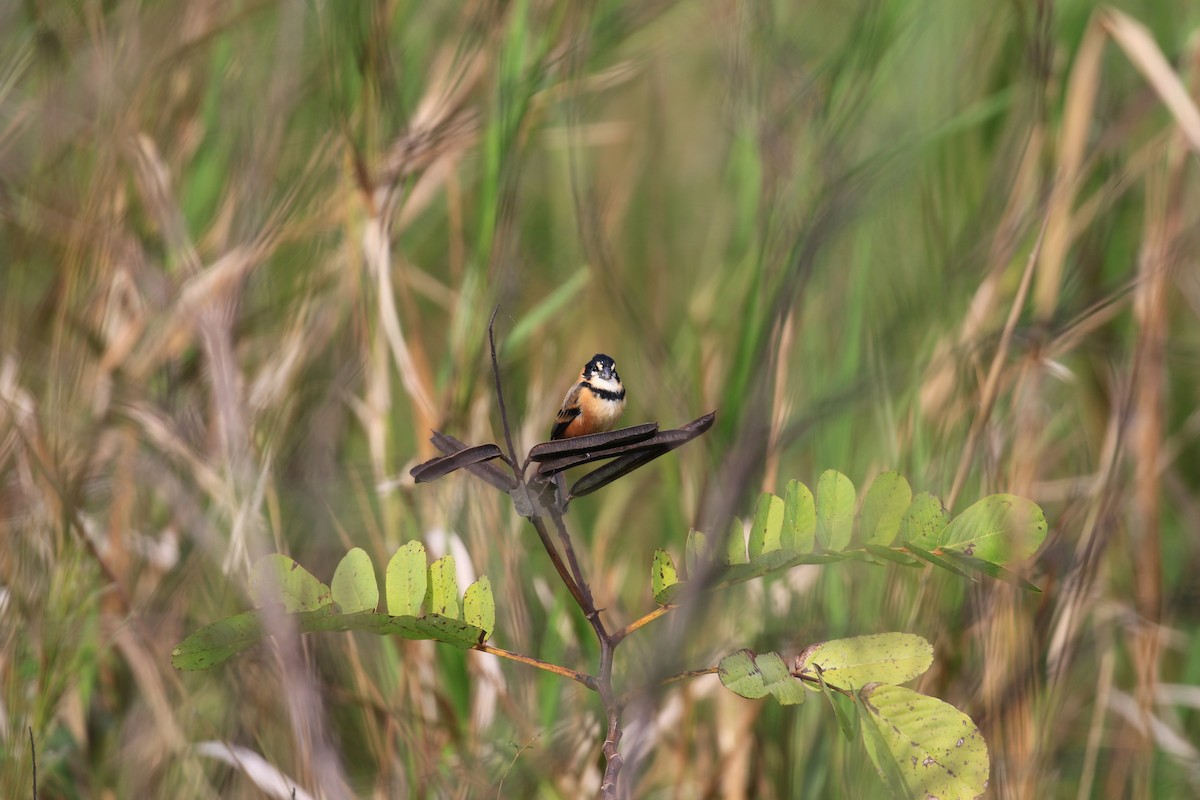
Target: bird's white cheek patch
{"type": "Point", "coordinates": [604, 383]}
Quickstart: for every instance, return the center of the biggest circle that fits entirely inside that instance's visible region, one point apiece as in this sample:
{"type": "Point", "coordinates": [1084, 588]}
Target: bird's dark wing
{"type": "Point", "coordinates": [569, 411]}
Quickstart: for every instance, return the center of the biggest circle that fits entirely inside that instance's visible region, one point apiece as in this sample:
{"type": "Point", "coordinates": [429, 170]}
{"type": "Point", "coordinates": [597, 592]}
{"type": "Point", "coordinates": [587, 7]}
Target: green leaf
{"type": "Point", "coordinates": [354, 586]}
{"type": "Point", "coordinates": [835, 510]}
{"type": "Point", "coordinates": [936, 748]}
{"type": "Point", "coordinates": [479, 607]}
{"type": "Point", "coordinates": [735, 544]}
{"type": "Point", "coordinates": [739, 674]}
{"type": "Point", "coordinates": [1001, 528]}
{"type": "Point", "coordinates": [217, 641]}
{"type": "Point", "coordinates": [885, 763]}
{"type": "Point", "coordinates": [779, 680]}
{"type": "Point", "coordinates": [663, 576]}
{"type": "Point", "coordinates": [275, 578]}
{"type": "Point", "coordinates": [853, 663]}
{"type": "Point", "coordinates": [443, 588]}
{"type": "Point", "coordinates": [988, 568]}
{"type": "Point", "coordinates": [848, 721]}
{"type": "Point", "coordinates": [767, 526]}
{"type": "Point", "coordinates": [891, 554]}
{"type": "Point", "coordinates": [695, 552]}
{"type": "Point", "coordinates": [884, 507]}
{"type": "Point", "coordinates": [407, 580]}
{"type": "Point", "coordinates": [924, 521]}
{"type": "Point", "coordinates": [799, 519]}
{"type": "Point", "coordinates": [939, 561]}
{"type": "Point", "coordinates": [451, 631]}
{"type": "Point", "coordinates": [753, 677]}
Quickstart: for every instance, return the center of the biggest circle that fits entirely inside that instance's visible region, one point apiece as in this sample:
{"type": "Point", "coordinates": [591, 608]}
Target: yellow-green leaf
{"type": "Point", "coordinates": [884, 507]}
{"type": "Point", "coordinates": [216, 642]}
{"type": "Point", "coordinates": [835, 510]}
{"type": "Point", "coordinates": [407, 580]}
{"type": "Point", "coordinates": [663, 574]}
{"type": "Point", "coordinates": [1001, 528]}
{"type": "Point", "coordinates": [799, 519]}
{"type": "Point", "coordinates": [735, 544]}
{"type": "Point", "coordinates": [754, 676]}
{"type": "Point", "coordinates": [479, 607]}
{"type": "Point", "coordinates": [767, 526]}
{"type": "Point", "coordinates": [936, 749]}
{"type": "Point", "coordinates": [443, 588]}
{"type": "Point", "coordinates": [924, 521]}
{"type": "Point", "coordinates": [275, 578]}
{"type": "Point", "coordinates": [853, 663]}
{"type": "Point", "coordinates": [354, 586]}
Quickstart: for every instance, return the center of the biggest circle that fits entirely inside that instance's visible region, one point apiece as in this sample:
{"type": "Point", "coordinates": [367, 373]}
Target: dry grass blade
{"type": "Point", "coordinates": [991, 386]}
{"type": "Point", "coordinates": [1137, 43]}
{"type": "Point", "coordinates": [1077, 122]}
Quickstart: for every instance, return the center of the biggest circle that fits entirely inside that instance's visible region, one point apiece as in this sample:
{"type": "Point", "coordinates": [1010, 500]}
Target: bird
{"type": "Point", "coordinates": [594, 403]}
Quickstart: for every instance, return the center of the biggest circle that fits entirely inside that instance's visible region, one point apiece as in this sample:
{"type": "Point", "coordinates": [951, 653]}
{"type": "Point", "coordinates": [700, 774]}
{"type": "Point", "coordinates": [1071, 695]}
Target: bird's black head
{"type": "Point", "coordinates": [601, 366]}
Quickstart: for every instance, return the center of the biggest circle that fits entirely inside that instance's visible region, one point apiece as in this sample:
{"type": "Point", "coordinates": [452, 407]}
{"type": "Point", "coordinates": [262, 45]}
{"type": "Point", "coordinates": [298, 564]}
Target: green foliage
{"type": "Point", "coordinates": [859, 660]}
{"type": "Point", "coordinates": [921, 746]}
{"type": "Point", "coordinates": [755, 676]}
{"type": "Point", "coordinates": [289, 598]}
{"type": "Point", "coordinates": [936, 750]}
{"type": "Point", "coordinates": [407, 580]}
{"type": "Point", "coordinates": [884, 506]}
{"type": "Point", "coordinates": [835, 511]}
{"type": "Point", "coordinates": [834, 201]}
{"type": "Point", "coordinates": [989, 538]}
{"type": "Point", "coordinates": [354, 586]}
{"type": "Point", "coordinates": [663, 576]}
{"type": "Point", "coordinates": [276, 578]}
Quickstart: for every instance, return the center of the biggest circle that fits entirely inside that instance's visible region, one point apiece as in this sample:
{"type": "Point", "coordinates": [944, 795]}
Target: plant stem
{"type": "Point", "coordinates": [645, 620]}
{"type": "Point", "coordinates": [578, 677]}
{"type": "Point", "coordinates": [577, 585]}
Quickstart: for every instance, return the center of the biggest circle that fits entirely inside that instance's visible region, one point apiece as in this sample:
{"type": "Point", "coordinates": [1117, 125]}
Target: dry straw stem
{"type": "Point", "coordinates": [991, 386]}
{"type": "Point", "coordinates": [1140, 48]}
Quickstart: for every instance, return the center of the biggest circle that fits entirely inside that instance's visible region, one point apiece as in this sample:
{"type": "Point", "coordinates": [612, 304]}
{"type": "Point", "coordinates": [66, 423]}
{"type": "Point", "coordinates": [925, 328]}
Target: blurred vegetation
{"type": "Point", "coordinates": [248, 251]}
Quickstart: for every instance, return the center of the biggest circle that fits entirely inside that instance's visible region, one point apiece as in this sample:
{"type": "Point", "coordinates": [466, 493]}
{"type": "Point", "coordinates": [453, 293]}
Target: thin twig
{"type": "Point", "coordinates": [579, 677]}
{"type": "Point", "coordinates": [645, 620]}
{"type": "Point", "coordinates": [589, 606]}
{"type": "Point", "coordinates": [512, 452]}
{"type": "Point", "coordinates": [556, 558]}
{"type": "Point", "coordinates": [576, 584]}
{"type": "Point", "coordinates": [33, 760]}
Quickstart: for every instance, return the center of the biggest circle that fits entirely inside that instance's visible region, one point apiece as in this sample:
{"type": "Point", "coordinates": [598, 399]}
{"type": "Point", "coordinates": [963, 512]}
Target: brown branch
{"type": "Point", "coordinates": [645, 620]}
{"type": "Point", "coordinates": [575, 675]}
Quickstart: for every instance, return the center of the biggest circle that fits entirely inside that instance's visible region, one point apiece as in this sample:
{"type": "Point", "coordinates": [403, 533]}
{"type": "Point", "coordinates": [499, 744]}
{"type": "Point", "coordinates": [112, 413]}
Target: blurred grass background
{"type": "Point", "coordinates": [247, 255]}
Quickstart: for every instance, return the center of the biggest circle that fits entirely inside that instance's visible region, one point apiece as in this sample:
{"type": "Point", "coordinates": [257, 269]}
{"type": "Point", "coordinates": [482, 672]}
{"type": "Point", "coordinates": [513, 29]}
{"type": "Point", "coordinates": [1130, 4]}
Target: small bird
{"type": "Point", "coordinates": [595, 401]}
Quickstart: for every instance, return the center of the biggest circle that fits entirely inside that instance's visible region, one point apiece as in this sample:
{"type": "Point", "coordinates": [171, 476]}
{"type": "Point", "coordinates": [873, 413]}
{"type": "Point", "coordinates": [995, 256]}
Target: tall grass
{"type": "Point", "coordinates": [247, 256]}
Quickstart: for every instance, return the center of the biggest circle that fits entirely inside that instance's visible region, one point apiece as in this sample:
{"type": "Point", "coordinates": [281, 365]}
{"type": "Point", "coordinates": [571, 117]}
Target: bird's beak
{"type": "Point", "coordinates": [606, 372]}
